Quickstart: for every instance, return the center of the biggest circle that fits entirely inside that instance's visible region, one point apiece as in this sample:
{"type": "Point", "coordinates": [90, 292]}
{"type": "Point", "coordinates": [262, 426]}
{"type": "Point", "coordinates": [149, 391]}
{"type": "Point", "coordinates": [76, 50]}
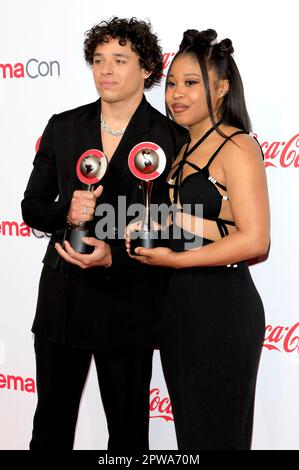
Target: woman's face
{"type": "Point", "coordinates": [185, 92]}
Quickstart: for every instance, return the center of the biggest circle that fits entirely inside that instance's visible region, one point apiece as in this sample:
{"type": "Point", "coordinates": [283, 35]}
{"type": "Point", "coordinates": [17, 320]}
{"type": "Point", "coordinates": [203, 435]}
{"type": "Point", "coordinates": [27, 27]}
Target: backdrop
{"type": "Point", "coordinates": [42, 72]}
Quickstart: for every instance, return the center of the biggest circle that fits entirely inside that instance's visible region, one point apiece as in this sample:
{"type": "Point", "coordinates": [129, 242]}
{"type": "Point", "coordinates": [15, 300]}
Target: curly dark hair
{"type": "Point", "coordinates": [143, 42]}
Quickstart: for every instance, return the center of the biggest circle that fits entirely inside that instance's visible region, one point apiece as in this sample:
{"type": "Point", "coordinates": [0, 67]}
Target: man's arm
{"type": "Point", "coordinates": [39, 207]}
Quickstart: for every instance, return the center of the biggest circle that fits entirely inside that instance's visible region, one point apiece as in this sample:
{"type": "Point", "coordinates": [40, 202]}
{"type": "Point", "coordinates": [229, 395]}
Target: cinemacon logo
{"type": "Point", "coordinates": [32, 68]}
{"type": "Point", "coordinates": [16, 382]}
{"type": "Point", "coordinates": [15, 229]}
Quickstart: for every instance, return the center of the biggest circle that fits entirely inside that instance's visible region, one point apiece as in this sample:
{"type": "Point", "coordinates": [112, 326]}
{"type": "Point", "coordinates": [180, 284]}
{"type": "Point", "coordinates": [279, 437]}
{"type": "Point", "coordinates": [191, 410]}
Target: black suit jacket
{"type": "Point", "coordinates": [99, 307]}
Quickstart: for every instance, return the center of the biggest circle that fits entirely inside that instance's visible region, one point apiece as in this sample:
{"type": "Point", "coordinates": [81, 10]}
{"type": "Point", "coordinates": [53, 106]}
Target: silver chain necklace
{"type": "Point", "coordinates": [109, 130]}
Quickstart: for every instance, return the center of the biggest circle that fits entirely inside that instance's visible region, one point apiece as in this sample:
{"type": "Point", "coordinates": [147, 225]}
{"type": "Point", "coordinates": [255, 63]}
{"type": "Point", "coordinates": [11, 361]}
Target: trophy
{"type": "Point", "coordinates": [147, 162]}
{"type": "Point", "coordinates": [91, 167]}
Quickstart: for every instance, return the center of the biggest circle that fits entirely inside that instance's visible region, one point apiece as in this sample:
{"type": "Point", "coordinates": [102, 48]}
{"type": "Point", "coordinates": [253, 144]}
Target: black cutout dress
{"type": "Point", "coordinates": [211, 334]}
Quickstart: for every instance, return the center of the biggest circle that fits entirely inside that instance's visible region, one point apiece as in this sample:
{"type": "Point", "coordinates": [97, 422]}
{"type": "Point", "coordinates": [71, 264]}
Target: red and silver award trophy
{"type": "Point", "coordinates": [147, 162]}
{"type": "Point", "coordinates": [91, 167]}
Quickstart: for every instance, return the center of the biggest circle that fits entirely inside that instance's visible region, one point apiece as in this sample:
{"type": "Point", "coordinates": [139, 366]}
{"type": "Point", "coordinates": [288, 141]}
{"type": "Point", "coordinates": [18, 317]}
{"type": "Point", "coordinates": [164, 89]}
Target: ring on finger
{"type": "Point", "coordinates": [84, 210]}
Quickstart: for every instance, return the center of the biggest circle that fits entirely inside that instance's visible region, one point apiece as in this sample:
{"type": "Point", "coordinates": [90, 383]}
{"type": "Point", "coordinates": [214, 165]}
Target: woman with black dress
{"type": "Point", "coordinates": [213, 319]}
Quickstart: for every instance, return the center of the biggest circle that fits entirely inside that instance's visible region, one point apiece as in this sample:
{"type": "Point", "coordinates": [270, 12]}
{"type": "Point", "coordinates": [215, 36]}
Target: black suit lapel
{"type": "Point", "coordinates": [137, 131]}
{"type": "Point", "coordinates": [86, 135]}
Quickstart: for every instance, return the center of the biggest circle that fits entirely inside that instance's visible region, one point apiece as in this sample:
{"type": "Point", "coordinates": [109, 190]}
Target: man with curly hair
{"type": "Point", "coordinates": [98, 305]}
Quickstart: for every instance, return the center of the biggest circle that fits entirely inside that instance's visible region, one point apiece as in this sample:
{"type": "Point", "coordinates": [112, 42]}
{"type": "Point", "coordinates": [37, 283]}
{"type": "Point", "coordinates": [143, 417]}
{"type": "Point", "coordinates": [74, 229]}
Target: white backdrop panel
{"type": "Point", "coordinates": [40, 33]}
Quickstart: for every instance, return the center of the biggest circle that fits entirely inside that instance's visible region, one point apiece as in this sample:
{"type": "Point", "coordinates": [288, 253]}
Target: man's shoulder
{"type": "Point", "coordinates": [157, 114]}
{"type": "Point", "coordinates": [76, 113]}
{"type": "Point", "coordinates": [161, 119]}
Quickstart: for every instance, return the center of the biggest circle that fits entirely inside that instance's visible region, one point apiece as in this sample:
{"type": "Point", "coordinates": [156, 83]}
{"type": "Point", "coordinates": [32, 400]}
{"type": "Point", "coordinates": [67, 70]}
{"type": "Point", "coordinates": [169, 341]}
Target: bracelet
{"type": "Point", "coordinates": [69, 222]}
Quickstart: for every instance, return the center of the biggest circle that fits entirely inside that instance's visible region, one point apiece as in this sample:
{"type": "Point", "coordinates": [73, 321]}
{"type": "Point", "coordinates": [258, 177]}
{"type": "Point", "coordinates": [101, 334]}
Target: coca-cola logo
{"type": "Point", "coordinates": [32, 68]}
{"type": "Point", "coordinates": [284, 154]}
{"type": "Point", "coordinates": [282, 338]}
{"type": "Point", "coordinates": [160, 407]}
{"type": "Point", "coordinates": [167, 58]}
{"type": "Point", "coordinates": [16, 229]}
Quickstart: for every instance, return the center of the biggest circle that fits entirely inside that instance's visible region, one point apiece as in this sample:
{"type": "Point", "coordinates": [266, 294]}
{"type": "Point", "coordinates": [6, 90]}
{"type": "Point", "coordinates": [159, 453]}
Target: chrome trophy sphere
{"type": "Point", "coordinates": [90, 166]}
{"type": "Point", "coordinates": [146, 161]}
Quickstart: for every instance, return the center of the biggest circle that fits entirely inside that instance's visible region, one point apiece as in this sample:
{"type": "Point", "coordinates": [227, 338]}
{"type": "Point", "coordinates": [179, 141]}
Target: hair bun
{"type": "Point", "coordinates": [194, 38]}
{"type": "Point", "coordinates": [205, 38]}
{"type": "Point", "coordinates": [188, 38]}
{"type": "Point", "coordinates": [225, 47]}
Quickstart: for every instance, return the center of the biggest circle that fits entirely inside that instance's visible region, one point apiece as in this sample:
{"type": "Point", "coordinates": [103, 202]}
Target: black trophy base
{"type": "Point", "coordinates": [152, 239]}
{"type": "Point", "coordinates": [74, 237]}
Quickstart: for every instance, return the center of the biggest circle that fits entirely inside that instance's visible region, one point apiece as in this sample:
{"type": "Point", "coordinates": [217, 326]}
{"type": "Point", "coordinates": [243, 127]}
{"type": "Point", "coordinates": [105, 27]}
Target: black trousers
{"type": "Point", "coordinates": [124, 381]}
{"type": "Point", "coordinates": [212, 329]}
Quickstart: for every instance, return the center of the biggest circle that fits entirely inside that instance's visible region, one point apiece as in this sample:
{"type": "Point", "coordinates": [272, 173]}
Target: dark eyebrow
{"type": "Point", "coordinates": [192, 75]}
{"type": "Point", "coordinates": [121, 55]}
{"type": "Point", "coordinates": [187, 75]}
{"type": "Point", "coordinates": [98, 54]}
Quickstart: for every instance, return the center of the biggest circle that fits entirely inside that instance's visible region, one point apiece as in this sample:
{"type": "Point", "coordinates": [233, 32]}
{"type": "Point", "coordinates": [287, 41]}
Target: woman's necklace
{"type": "Point", "coordinates": [109, 130]}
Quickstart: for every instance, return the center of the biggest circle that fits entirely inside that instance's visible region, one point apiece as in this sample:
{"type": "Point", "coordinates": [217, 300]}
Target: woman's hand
{"type": "Point", "coordinates": [134, 227]}
{"type": "Point", "coordinates": [159, 256]}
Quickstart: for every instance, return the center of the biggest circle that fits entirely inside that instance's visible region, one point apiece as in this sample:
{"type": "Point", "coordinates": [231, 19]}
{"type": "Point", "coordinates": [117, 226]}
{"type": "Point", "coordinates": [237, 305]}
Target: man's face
{"type": "Point", "coordinates": [117, 72]}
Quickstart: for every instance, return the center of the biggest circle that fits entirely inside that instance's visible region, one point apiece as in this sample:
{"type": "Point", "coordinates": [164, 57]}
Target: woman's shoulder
{"type": "Point", "coordinates": [231, 132]}
{"type": "Point", "coordinates": [240, 144]}
{"type": "Point", "coordinates": [239, 139]}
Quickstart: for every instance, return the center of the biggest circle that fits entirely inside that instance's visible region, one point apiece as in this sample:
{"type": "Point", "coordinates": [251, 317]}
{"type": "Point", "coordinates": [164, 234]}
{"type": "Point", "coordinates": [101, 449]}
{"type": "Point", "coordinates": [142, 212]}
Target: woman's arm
{"type": "Point", "coordinates": [246, 184]}
{"type": "Point", "coordinates": [247, 190]}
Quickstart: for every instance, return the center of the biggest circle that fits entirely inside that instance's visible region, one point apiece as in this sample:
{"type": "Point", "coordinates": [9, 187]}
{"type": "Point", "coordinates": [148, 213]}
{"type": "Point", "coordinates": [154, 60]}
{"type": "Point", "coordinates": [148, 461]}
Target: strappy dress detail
{"type": "Point", "coordinates": [201, 186]}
